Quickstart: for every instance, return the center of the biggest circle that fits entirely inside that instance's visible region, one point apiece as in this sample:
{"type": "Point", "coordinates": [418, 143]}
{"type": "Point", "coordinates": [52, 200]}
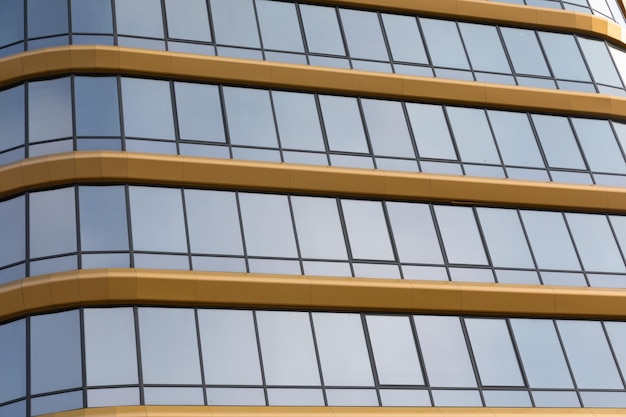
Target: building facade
{"type": "Point", "coordinates": [326, 207]}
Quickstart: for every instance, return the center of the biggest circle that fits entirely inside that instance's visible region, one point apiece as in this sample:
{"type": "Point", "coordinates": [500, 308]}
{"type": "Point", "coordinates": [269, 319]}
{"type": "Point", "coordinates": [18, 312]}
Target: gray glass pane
{"type": "Point", "coordinates": [515, 138]}
{"type": "Point", "coordinates": [604, 399]}
{"type": "Point", "coordinates": [525, 51]}
{"type": "Point", "coordinates": [105, 260]}
{"type": "Point", "coordinates": [394, 350]}
{"type": "Point", "coordinates": [319, 228]}
{"type": "Point", "coordinates": [430, 131]}
{"type": "Point", "coordinates": [517, 277]}
{"type": "Point", "coordinates": [206, 263]}
{"type": "Point", "coordinates": [11, 116]}
{"type": "Point", "coordinates": [617, 336]}
{"type": "Point", "coordinates": [505, 238]}
{"type": "Point", "coordinates": [599, 145]}
{"type": "Point", "coordinates": [456, 398]}
{"type": "Point", "coordinates": [199, 112]}
{"type": "Point", "coordinates": [48, 266]}
{"type": "Point", "coordinates": [235, 396]}
{"type": "Point", "coordinates": [188, 20]}
{"type": "Point", "coordinates": [157, 219]}
{"type": "Point", "coordinates": [110, 347]}
{"type": "Point", "coordinates": [404, 398]}
{"type": "Point", "coordinates": [169, 346]}
{"type": "Point", "coordinates": [541, 354]}
{"type": "Point", "coordinates": [52, 222]}
{"type": "Point", "coordinates": [147, 108]}
{"type": "Point", "coordinates": [507, 399]}
{"type": "Point", "coordinates": [92, 16]}
{"type": "Point", "coordinates": [12, 360]}
{"type": "Point", "coordinates": [472, 135]}
{"type": "Point", "coordinates": [351, 397]}
{"type": "Point", "coordinates": [55, 352]}
{"type": "Point", "coordinates": [287, 348]}
{"type": "Point", "coordinates": [13, 227]}
{"type": "Point", "coordinates": [484, 48]}
{"type": "Point", "coordinates": [471, 275]}
{"type": "Point", "coordinates": [387, 128]}
{"type": "Point", "coordinates": [139, 17]}
{"type": "Point", "coordinates": [600, 62]}
{"type": "Point", "coordinates": [589, 354]}
{"type": "Point", "coordinates": [404, 38]}
{"type": "Point", "coordinates": [556, 399]}
{"type": "Point", "coordinates": [229, 347]}
{"type": "Point", "coordinates": [97, 108]}
{"type": "Point", "coordinates": [550, 240]}
{"type": "Point", "coordinates": [431, 273]}
{"type": "Point", "coordinates": [564, 56]}
{"type": "Point", "coordinates": [279, 26]}
{"type": "Point", "coordinates": [46, 17]}
{"type": "Point", "coordinates": [363, 34]}
{"type": "Point", "coordinates": [58, 402]}
{"type": "Point", "coordinates": [344, 127]}
{"type": "Point", "coordinates": [595, 242]}
{"type": "Point", "coordinates": [234, 23]}
{"type": "Point", "coordinates": [493, 352]}
{"type": "Point", "coordinates": [445, 351]}
{"type": "Point", "coordinates": [444, 43]}
{"type": "Point", "coordinates": [563, 278]}
{"type": "Point", "coordinates": [322, 30]}
{"type": "Point", "coordinates": [249, 115]}
{"type": "Point", "coordinates": [342, 351]}
{"type": "Point", "coordinates": [17, 409]}
{"type": "Point", "coordinates": [213, 222]}
{"type": "Point", "coordinates": [11, 21]}
{"type": "Point", "coordinates": [173, 396]}
{"type": "Point", "coordinates": [103, 223]}
{"type": "Point", "coordinates": [367, 230]}
{"type": "Point", "coordinates": [294, 396]}
{"type": "Point", "coordinates": [558, 142]}
{"type": "Point", "coordinates": [49, 109]}
{"type": "Point", "coordinates": [414, 233]}
{"type": "Point", "coordinates": [460, 235]}
{"type": "Point", "coordinates": [363, 270]}
{"type": "Point", "coordinates": [112, 397]}
{"type": "Point", "coordinates": [298, 121]}
{"type": "Point", "coordinates": [267, 225]}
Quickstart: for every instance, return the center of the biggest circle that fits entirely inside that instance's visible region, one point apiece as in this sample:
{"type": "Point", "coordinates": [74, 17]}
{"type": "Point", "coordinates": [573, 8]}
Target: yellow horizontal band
{"type": "Point", "coordinates": [98, 287]}
{"type": "Point", "coordinates": [126, 167]}
{"type": "Point", "coordinates": [212, 411]}
{"type": "Point", "coordinates": [118, 60]}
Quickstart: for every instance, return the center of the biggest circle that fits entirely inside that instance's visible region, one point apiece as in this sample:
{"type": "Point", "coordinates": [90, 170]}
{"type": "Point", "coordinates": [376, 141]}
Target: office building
{"type": "Point", "coordinates": [329, 207]}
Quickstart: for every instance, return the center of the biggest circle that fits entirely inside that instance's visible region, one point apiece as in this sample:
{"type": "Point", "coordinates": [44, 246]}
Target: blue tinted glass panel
{"type": "Point", "coordinates": [12, 117]}
{"type": "Point", "coordinates": [525, 52]}
{"type": "Point", "coordinates": [279, 26]}
{"type": "Point", "coordinates": [363, 34]}
{"type": "Point", "coordinates": [322, 30]}
{"type": "Point", "coordinates": [516, 138]}
{"type": "Point", "coordinates": [344, 126]}
{"type": "Point", "coordinates": [11, 21]}
{"type": "Point", "coordinates": [387, 128]}
{"type": "Point", "coordinates": [250, 119]}
{"type": "Point", "coordinates": [599, 145]}
{"type": "Point", "coordinates": [558, 142]}
{"type": "Point", "coordinates": [97, 108]}
{"type": "Point", "coordinates": [139, 18]}
{"type": "Point", "coordinates": [472, 135]}
{"type": "Point", "coordinates": [234, 23]}
{"type": "Point", "coordinates": [298, 121]}
{"type": "Point", "coordinates": [187, 20]}
{"type": "Point", "coordinates": [47, 17]}
{"type": "Point", "coordinates": [599, 60]}
{"type": "Point", "coordinates": [92, 16]}
{"type": "Point", "coordinates": [460, 235]}
{"type": "Point", "coordinates": [550, 240]}
{"type": "Point", "coordinates": [444, 44]}
{"type": "Point", "coordinates": [505, 238]}
{"type": "Point", "coordinates": [52, 222]}
{"type": "Point", "coordinates": [199, 112]}
{"type": "Point", "coordinates": [12, 225]}
{"type": "Point", "coordinates": [564, 56]}
{"type": "Point", "coordinates": [484, 48]}
{"type": "Point", "coordinates": [430, 131]}
{"type": "Point", "coordinates": [103, 223]}
{"type": "Point", "coordinates": [404, 38]}
{"type": "Point", "coordinates": [12, 360]}
{"type": "Point", "coordinates": [147, 108]}
{"type": "Point", "coordinates": [49, 109]}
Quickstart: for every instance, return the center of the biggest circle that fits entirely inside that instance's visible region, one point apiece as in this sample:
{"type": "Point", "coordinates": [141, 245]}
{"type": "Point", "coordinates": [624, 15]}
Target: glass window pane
{"type": "Point", "coordinates": [322, 30]}
{"type": "Point", "coordinates": [46, 17]}
{"type": "Point", "coordinates": [367, 230]}
{"type": "Point", "coordinates": [460, 235]}
{"type": "Point", "coordinates": [97, 108]}
{"type": "Point", "coordinates": [55, 353]}
{"type": "Point", "coordinates": [550, 240]}
{"type": "Point", "coordinates": [229, 347]}
{"type": "Point", "coordinates": [49, 109]}
{"type": "Point", "coordinates": [249, 114]}
{"type": "Point", "coordinates": [387, 128]}
{"type": "Point", "coordinates": [600, 62]}
{"type": "Point", "coordinates": [525, 51]}
{"type": "Point", "coordinates": [52, 222]}
{"type": "Point", "coordinates": [394, 350]}
{"type": "Point", "coordinates": [213, 222]}
{"type": "Point", "coordinates": [599, 145]}
{"type": "Point", "coordinates": [344, 127]}
{"type": "Point", "coordinates": [363, 34]}
{"type": "Point", "coordinates": [505, 238]}
{"type": "Point", "coordinates": [11, 22]}
{"type": "Point", "coordinates": [199, 112]}
{"type": "Point", "coordinates": [445, 353]}
{"type": "Point", "coordinates": [444, 43]}
{"type": "Point", "coordinates": [564, 56]}
{"type": "Point", "coordinates": [267, 225]}
{"type": "Point", "coordinates": [12, 360]}
{"type": "Point", "coordinates": [12, 116]}
{"type": "Point", "coordinates": [404, 38]}
{"type": "Point", "coordinates": [287, 348]}
{"type": "Point", "coordinates": [298, 121]}
{"type": "Point", "coordinates": [414, 233]}
{"type": "Point", "coordinates": [103, 223]}
{"type": "Point", "coordinates": [58, 402]}
{"type": "Point", "coordinates": [515, 138]}
{"type": "Point", "coordinates": [92, 16]}
{"type": "Point", "coordinates": [342, 351]}
{"type": "Point", "coordinates": [484, 48]}
{"type": "Point", "coordinates": [147, 108]}
{"type": "Point", "coordinates": [139, 18]}
{"type": "Point", "coordinates": [558, 142]}
{"type": "Point", "coordinates": [279, 26]}
{"type": "Point", "coordinates": [157, 219]}
{"type": "Point", "coordinates": [319, 228]}
{"type": "Point", "coordinates": [234, 23]}
{"type": "Point", "coordinates": [472, 135]}
{"type": "Point", "coordinates": [173, 396]}
{"type": "Point", "coordinates": [617, 336]}
{"type": "Point", "coordinates": [104, 397]}
{"type": "Point", "coordinates": [110, 347]}
{"type": "Point", "coordinates": [595, 243]}
{"type": "Point", "coordinates": [169, 346]}
{"type": "Point", "coordinates": [188, 20]}
{"type": "Point", "coordinates": [431, 131]}
{"type": "Point", "coordinates": [493, 352]}
{"type": "Point", "coordinates": [13, 227]}
{"type": "Point", "coordinates": [589, 355]}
